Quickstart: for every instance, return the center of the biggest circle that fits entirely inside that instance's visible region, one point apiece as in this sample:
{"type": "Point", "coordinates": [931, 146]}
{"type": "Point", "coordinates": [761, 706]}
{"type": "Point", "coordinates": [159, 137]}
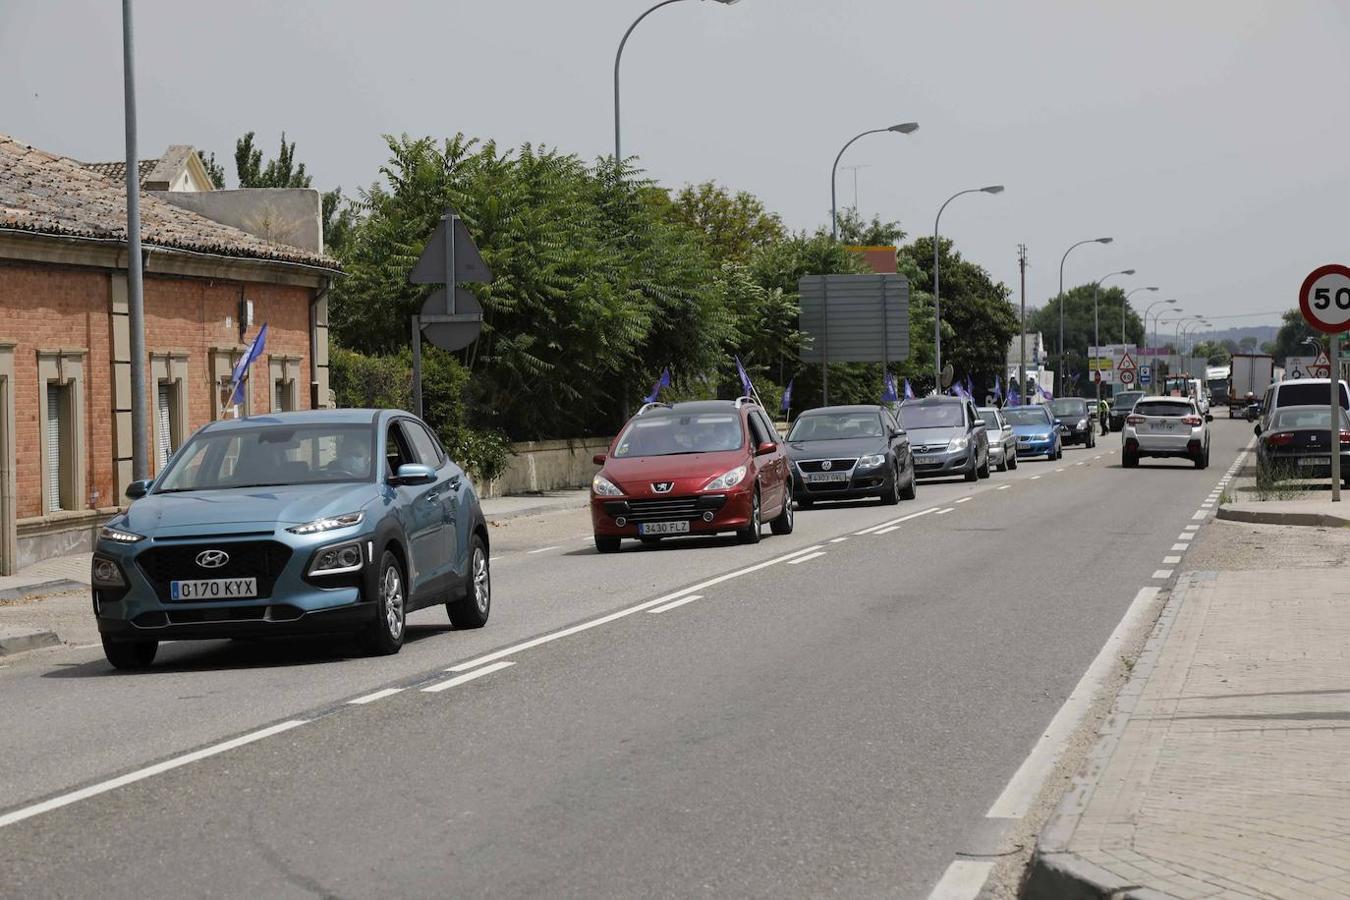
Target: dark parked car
{"type": "Point", "coordinates": [841, 452]}
{"type": "Point", "coordinates": [1298, 443]}
{"type": "Point", "coordinates": [947, 437]}
{"type": "Point", "coordinates": [1121, 404]}
{"type": "Point", "coordinates": [1077, 421]}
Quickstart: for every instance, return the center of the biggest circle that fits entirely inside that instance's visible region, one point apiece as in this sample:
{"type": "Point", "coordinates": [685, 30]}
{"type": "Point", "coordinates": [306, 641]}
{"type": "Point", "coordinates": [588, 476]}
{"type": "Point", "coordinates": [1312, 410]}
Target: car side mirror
{"type": "Point", "coordinates": [138, 489]}
{"type": "Point", "coordinates": [599, 459]}
{"type": "Point", "coordinates": [413, 474]}
{"type": "Point", "coordinates": [765, 448]}
{"type": "Point", "coordinates": [1256, 428]}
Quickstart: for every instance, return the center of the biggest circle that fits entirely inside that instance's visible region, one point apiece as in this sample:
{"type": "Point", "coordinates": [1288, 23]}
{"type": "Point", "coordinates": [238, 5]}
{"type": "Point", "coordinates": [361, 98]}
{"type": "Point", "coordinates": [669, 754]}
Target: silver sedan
{"type": "Point", "coordinates": [1002, 439]}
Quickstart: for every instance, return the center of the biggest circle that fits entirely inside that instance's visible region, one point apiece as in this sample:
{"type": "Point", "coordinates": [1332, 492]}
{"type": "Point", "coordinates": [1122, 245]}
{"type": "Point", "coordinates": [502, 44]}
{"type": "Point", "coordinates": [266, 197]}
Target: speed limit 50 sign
{"type": "Point", "coordinates": [1325, 298]}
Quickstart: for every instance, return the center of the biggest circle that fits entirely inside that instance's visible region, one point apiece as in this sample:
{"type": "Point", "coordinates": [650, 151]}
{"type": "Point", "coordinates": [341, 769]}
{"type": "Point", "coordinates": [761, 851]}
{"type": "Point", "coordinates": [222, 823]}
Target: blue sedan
{"type": "Point", "coordinates": [331, 521]}
{"type": "Point", "coordinates": [1037, 433]}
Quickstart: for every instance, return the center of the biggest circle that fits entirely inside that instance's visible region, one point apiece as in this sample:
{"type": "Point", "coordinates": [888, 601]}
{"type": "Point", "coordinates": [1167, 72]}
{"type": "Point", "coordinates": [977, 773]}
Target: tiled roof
{"type": "Point", "coordinates": [117, 171]}
{"type": "Point", "coordinates": [47, 194]}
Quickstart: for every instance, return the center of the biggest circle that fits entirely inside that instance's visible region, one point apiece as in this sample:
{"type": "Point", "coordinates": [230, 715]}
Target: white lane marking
{"type": "Point", "coordinates": [1061, 470]}
{"type": "Point", "coordinates": [1173, 560]}
{"type": "Point", "coordinates": [875, 529]}
{"type": "Point", "coordinates": [1003, 487]}
{"type": "Point", "coordinates": [1192, 527]}
{"type": "Point", "coordinates": [378, 695]}
{"type": "Point", "coordinates": [542, 549]}
{"type": "Point", "coordinates": [838, 540]}
{"type": "Point", "coordinates": [1099, 456]}
{"type": "Point", "coordinates": [1034, 477]}
{"type": "Point", "coordinates": [467, 676]}
{"type": "Point", "coordinates": [943, 512]}
{"type": "Point", "coordinates": [963, 880]}
{"type": "Point", "coordinates": [1200, 514]}
{"type": "Point", "coordinates": [495, 558]}
{"type": "Point", "coordinates": [672, 605]}
{"type": "Point", "coordinates": [1110, 453]}
{"type": "Point", "coordinates": [810, 556]}
{"type": "Point", "coordinates": [1163, 574]}
{"type": "Point", "coordinates": [113, 784]}
{"type": "Point", "coordinates": [1026, 782]}
{"type": "Point", "coordinates": [1181, 547]}
{"type": "Point", "coordinates": [603, 620]}
{"type": "Point", "coordinates": [968, 499]}
{"type": "Point", "coordinates": [1084, 464]}
{"type": "Point", "coordinates": [1186, 536]}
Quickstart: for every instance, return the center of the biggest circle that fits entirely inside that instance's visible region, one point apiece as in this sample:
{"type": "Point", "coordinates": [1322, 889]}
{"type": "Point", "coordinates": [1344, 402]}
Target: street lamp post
{"type": "Point", "coordinates": [902, 128]}
{"type": "Point", "coordinates": [1124, 307]}
{"type": "Point", "coordinates": [937, 281]}
{"type": "Point", "coordinates": [618, 57]}
{"type": "Point", "coordinates": [1096, 324]}
{"type": "Point", "coordinates": [1100, 240]}
{"type": "Point", "coordinates": [1155, 318]}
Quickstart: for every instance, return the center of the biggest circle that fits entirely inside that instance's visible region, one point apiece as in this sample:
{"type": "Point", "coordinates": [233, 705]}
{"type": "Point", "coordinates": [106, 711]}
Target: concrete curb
{"type": "Point", "coordinates": [1281, 517]}
{"type": "Point", "coordinates": [1055, 870]}
{"type": "Point", "coordinates": [17, 640]}
{"type": "Point", "coordinates": [541, 509]}
{"type": "Point", "coordinates": [56, 586]}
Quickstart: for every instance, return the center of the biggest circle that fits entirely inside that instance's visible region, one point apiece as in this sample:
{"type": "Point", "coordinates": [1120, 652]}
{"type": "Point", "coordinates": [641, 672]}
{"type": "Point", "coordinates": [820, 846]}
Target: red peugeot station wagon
{"type": "Point", "coordinates": [704, 467]}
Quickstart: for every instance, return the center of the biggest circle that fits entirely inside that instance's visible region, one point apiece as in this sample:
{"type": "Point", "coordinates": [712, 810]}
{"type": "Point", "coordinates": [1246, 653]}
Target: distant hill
{"type": "Point", "coordinates": [1262, 333]}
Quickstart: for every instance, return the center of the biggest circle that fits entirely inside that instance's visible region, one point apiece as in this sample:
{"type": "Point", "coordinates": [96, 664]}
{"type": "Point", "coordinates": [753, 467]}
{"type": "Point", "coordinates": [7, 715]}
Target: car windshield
{"type": "Point", "coordinates": [671, 434]}
{"type": "Point", "coordinates": [934, 415]}
{"type": "Point", "coordinates": [838, 426]}
{"type": "Point", "coordinates": [1305, 417]}
{"type": "Point", "coordinates": [272, 456]}
{"type": "Point", "coordinates": [1295, 394]}
{"type": "Point", "coordinates": [1127, 399]}
{"type": "Point", "coordinates": [990, 419]}
{"type": "Point", "coordinates": [1069, 407]}
{"type": "Point", "coordinates": [1162, 408]}
{"type": "Point", "coordinates": [1027, 415]}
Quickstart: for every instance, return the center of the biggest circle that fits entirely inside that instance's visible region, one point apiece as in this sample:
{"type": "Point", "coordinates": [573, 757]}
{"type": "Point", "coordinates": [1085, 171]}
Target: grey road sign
{"type": "Point", "coordinates": [452, 332]}
{"type": "Point", "coordinates": [855, 318]}
{"type": "Point", "coordinates": [469, 265]}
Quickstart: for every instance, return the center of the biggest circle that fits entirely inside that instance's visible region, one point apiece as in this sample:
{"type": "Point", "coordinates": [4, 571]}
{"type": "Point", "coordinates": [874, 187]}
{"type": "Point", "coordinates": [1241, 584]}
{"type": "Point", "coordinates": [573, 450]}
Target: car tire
{"type": "Point", "coordinates": [1012, 460]}
{"type": "Point", "coordinates": [607, 544]}
{"type": "Point", "coordinates": [384, 636]}
{"type": "Point", "coordinates": [1202, 462]}
{"type": "Point", "coordinates": [974, 473]}
{"type": "Point", "coordinates": [473, 608]}
{"type": "Point", "coordinates": [130, 656]}
{"type": "Point", "coordinates": [890, 495]}
{"type": "Point", "coordinates": [750, 533]}
{"type": "Point", "coordinates": [784, 521]}
{"type": "Point", "coordinates": [1003, 464]}
{"type": "Point", "coordinates": [1130, 460]}
{"type": "Point", "coordinates": [911, 488]}
{"type": "Point", "coordinates": [984, 471]}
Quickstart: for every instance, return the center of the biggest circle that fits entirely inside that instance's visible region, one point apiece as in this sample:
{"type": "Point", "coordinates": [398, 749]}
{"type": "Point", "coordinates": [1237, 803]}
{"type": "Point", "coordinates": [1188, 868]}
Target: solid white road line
{"type": "Point", "coordinates": [603, 620]}
{"type": "Point", "coordinates": [963, 880]}
{"type": "Point", "coordinates": [808, 557]}
{"type": "Point", "coordinates": [876, 529]}
{"type": "Point", "coordinates": [1003, 487]}
{"type": "Point", "coordinates": [677, 603]}
{"type": "Point", "coordinates": [968, 499]}
{"type": "Point", "coordinates": [378, 695]}
{"type": "Point", "coordinates": [546, 549]}
{"type": "Point", "coordinates": [112, 784]}
{"type": "Point", "coordinates": [943, 512]}
{"type": "Point", "coordinates": [1163, 574]}
{"type": "Point", "coordinates": [1026, 782]}
{"type": "Point", "coordinates": [1173, 560]}
{"type": "Point", "coordinates": [467, 676]}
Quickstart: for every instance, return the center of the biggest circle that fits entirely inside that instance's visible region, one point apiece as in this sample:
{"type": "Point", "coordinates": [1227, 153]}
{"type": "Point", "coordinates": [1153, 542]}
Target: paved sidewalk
{"type": "Point", "coordinates": [1318, 511]}
{"type": "Point", "coordinates": [1222, 768]}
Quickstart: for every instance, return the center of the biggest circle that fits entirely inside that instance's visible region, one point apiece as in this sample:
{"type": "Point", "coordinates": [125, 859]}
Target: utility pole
{"type": "Point", "coordinates": [140, 462]}
{"type": "Point", "coordinates": [1022, 363]}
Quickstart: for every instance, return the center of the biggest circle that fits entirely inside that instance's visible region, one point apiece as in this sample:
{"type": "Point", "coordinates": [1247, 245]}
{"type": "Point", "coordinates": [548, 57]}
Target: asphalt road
{"type": "Point", "coordinates": [827, 717]}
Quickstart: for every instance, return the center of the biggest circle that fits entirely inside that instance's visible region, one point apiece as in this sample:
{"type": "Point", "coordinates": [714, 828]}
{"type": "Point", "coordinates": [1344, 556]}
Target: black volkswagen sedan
{"type": "Point", "coordinates": [1298, 443]}
{"type": "Point", "coordinates": [846, 452]}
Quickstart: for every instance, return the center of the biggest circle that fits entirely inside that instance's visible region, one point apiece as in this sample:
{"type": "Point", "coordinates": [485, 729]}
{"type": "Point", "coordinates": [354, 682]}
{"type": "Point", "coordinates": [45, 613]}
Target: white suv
{"type": "Point", "coordinates": [1166, 426]}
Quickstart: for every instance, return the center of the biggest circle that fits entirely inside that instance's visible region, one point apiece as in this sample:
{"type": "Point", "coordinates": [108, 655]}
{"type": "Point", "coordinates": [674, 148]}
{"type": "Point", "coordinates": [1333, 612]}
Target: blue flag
{"type": "Point", "coordinates": [662, 382]}
{"type": "Point", "coordinates": [970, 388]}
{"type": "Point", "coordinates": [745, 379]}
{"type": "Point", "coordinates": [888, 392]}
{"type": "Point", "coordinates": [787, 395]}
{"type": "Point", "coordinates": [1046, 395]}
{"type": "Point", "coordinates": [909, 391]}
{"type": "Point", "coordinates": [254, 351]}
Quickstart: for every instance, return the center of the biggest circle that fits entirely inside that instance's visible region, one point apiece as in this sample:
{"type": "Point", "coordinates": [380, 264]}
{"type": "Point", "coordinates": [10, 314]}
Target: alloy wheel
{"type": "Point", "coordinates": [391, 595]}
{"type": "Point", "coordinates": [482, 584]}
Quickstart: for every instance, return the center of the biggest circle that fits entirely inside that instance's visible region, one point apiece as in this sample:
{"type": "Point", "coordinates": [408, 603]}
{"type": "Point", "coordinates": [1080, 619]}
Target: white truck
{"type": "Point", "coordinates": [1251, 374]}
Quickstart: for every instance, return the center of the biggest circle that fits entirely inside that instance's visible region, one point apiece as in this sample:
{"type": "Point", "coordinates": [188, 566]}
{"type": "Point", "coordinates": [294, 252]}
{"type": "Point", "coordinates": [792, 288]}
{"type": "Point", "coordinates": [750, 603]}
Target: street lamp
{"type": "Point", "coordinates": [1155, 318]}
{"type": "Point", "coordinates": [937, 296]}
{"type": "Point", "coordinates": [1124, 307]}
{"type": "Point", "coordinates": [1101, 240]}
{"type": "Point", "coordinates": [618, 154]}
{"type": "Point", "coordinates": [1188, 332]}
{"type": "Point", "coordinates": [902, 128]}
{"type": "Point", "coordinates": [1096, 324]}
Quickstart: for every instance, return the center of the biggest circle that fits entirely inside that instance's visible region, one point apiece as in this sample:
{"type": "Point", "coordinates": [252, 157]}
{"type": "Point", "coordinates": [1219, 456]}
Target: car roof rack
{"type": "Point", "coordinates": [647, 407]}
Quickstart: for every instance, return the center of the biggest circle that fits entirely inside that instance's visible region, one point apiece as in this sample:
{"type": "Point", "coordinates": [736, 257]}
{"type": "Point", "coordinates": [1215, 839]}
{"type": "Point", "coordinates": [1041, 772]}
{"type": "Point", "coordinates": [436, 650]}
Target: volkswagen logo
{"type": "Point", "coordinates": [662, 487]}
{"type": "Point", "coordinates": [212, 559]}
{"type": "Point", "coordinates": [826, 466]}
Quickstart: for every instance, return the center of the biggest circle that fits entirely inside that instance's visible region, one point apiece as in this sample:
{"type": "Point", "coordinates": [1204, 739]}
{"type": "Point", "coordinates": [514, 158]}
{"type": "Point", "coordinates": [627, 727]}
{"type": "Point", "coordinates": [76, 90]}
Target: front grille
{"type": "Point", "coordinates": [263, 560]}
{"type": "Point", "coordinates": [929, 448]}
{"type": "Point", "coordinates": [663, 510]}
{"type": "Point", "coordinates": [818, 465]}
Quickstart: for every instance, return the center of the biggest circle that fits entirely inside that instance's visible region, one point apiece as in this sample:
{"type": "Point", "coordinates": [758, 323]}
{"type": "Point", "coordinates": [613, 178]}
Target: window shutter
{"type": "Point", "coordinates": [53, 446]}
{"type": "Point", "coordinates": [164, 439]}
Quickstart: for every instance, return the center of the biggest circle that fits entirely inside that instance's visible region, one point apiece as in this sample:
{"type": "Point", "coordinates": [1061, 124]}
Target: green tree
{"type": "Point", "coordinates": [733, 224]}
{"type": "Point", "coordinates": [1248, 343]}
{"type": "Point", "coordinates": [1079, 327]}
{"type": "Point", "coordinates": [1213, 351]}
{"type": "Point", "coordinates": [1294, 330]}
{"type": "Point", "coordinates": [855, 231]}
{"type": "Point", "coordinates": [285, 172]}
{"type": "Point", "coordinates": [214, 170]}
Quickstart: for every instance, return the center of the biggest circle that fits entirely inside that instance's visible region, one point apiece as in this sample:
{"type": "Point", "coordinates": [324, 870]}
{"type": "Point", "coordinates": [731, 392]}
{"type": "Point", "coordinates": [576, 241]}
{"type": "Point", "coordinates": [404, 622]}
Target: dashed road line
{"type": "Point", "coordinates": [378, 695]}
{"type": "Point", "coordinates": [1181, 547]}
{"type": "Point", "coordinates": [542, 549]}
{"type": "Point", "coordinates": [1003, 487]}
{"type": "Point", "coordinates": [1200, 514]}
{"type": "Point", "coordinates": [1162, 574]}
{"type": "Point", "coordinates": [466, 677]}
{"type": "Point", "coordinates": [807, 558]}
{"type": "Point", "coordinates": [943, 512]}
{"type": "Point", "coordinates": [1035, 477]}
{"type": "Point", "coordinates": [963, 880]}
{"type": "Point", "coordinates": [965, 499]}
{"type": "Point", "coordinates": [1192, 527]}
{"type": "Point", "coordinates": [676, 603]}
{"type": "Point", "coordinates": [1171, 560]}
{"type": "Point", "coordinates": [838, 540]}
{"type": "Point", "coordinates": [889, 526]}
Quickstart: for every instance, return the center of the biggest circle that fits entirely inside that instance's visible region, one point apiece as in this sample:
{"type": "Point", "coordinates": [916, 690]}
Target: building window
{"type": "Point", "coordinates": [168, 436]}
{"type": "Point", "coordinates": [283, 395]}
{"type": "Point", "coordinates": [58, 457]}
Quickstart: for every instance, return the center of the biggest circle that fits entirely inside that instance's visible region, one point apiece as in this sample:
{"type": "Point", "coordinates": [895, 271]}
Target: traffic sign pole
{"type": "Point", "coordinates": [1333, 340]}
{"type": "Point", "coordinates": [1324, 301]}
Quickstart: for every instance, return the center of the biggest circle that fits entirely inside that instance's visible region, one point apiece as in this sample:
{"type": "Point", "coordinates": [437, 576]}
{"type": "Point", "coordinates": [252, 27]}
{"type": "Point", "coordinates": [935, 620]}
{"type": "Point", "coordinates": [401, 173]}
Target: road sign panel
{"type": "Point", "coordinates": [1145, 375]}
{"type": "Point", "coordinates": [469, 265]}
{"type": "Point", "coordinates": [1324, 298]}
{"type": "Point", "coordinates": [1127, 361]}
{"type": "Point", "coordinates": [452, 332]}
{"type": "Point", "coordinates": [854, 318]}
{"type": "Point", "coordinates": [1127, 377]}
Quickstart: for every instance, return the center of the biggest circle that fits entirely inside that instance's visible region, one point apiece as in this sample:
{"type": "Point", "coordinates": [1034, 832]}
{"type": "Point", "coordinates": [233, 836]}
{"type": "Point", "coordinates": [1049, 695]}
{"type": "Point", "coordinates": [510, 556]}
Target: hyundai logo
{"type": "Point", "coordinates": [662, 487]}
{"type": "Point", "coordinates": [212, 559]}
{"type": "Point", "coordinates": [826, 466]}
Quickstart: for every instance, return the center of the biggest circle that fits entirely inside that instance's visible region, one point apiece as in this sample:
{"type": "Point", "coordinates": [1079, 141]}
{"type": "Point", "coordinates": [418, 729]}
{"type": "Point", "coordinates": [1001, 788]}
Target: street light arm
{"type": "Point", "coordinates": [618, 57]}
{"type": "Point", "coordinates": [834, 176]}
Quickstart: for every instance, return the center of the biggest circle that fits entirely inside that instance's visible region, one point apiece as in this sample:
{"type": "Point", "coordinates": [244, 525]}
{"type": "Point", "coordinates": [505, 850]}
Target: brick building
{"type": "Point", "coordinates": [65, 367]}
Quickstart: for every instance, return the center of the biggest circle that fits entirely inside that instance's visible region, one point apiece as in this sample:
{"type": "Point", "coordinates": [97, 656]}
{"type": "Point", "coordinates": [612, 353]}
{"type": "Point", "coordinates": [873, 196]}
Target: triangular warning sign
{"type": "Point", "coordinates": [1322, 361]}
{"type": "Point", "coordinates": [1127, 361]}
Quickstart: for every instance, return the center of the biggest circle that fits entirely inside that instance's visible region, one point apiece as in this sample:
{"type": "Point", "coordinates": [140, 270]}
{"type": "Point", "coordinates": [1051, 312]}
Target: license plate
{"type": "Point", "coordinates": [819, 477]}
{"type": "Point", "coordinates": [214, 589]}
{"type": "Point", "coordinates": [1163, 425]}
{"type": "Point", "coordinates": [663, 528]}
{"type": "Point", "coordinates": [1315, 461]}
{"type": "Point", "coordinates": [1024, 443]}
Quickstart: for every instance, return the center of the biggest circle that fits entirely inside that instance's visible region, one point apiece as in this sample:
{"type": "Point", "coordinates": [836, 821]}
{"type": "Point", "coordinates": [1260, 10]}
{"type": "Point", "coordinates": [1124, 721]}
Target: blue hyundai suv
{"type": "Point", "coordinates": [330, 521]}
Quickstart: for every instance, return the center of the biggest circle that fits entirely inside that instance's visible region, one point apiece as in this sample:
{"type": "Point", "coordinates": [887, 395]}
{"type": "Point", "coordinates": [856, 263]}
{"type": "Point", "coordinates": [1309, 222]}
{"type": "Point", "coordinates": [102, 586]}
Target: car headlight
{"type": "Point", "coordinates": [1082, 423]}
{"type": "Point", "coordinates": [726, 480]}
{"type": "Point", "coordinates": [106, 573]}
{"type": "Point", "coordinates": [119, 536]}
{"type": "Point", "coordinates": [959, 443]}
{"type": "Point", "coordinates": [329, 523]}
{"type": "Point", "coordinates": [337, 560]}
{"type": "Point", "coordinates": [603, 487]}
{"type": "Point", "coordinates": [871, 462]}
{"type": "Point", "coordinates": [1041, 437]}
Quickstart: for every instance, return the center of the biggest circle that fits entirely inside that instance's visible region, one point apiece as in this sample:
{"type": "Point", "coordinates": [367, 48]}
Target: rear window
{"type": "Point", "coordinates": [1126, 399]}
{"type": "Point", "coordinates": [1305, 417]}
{"type": "Point", "coordinates": [1295, 394]}
{"type": "Point", "coordinates": [1162, 408]}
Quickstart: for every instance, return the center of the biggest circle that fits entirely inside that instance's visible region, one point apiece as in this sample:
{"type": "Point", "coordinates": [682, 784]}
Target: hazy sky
{"type": "Point", "coordinates": [1209, 137]}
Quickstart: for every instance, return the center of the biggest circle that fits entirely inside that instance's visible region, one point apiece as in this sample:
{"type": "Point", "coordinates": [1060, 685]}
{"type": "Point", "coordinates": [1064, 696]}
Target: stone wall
{"type": "Point", "coordinates": [537, 466]}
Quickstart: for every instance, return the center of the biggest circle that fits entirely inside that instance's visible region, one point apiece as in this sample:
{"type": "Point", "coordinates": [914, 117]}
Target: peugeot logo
{"type": "Point", "coordinates": [212, 559]}
{"type": "Point", "coordinates": [826, 466]}
{"type": "Point", "coordinates": [662, 487]}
